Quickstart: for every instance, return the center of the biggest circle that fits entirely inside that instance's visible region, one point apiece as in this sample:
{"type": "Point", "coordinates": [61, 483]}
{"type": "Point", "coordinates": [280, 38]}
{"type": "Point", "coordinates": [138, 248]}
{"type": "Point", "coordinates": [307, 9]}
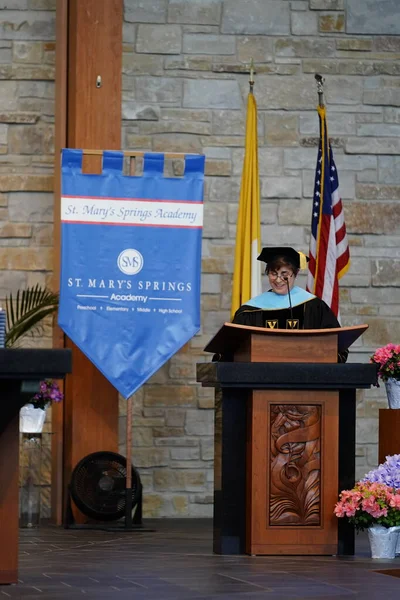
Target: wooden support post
{"type": "Point", "coordinates": [89, 46]}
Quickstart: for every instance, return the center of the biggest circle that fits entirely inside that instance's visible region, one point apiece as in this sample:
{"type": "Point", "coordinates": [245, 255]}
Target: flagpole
{"type": "Point", "coordinates": [246, 272]}
{"type": "Point", "coordinates": [320, 89]}
{"type": "Point", "coordinates": [251, 78]}
{"type": "Point", "coordinates": [329, 258]}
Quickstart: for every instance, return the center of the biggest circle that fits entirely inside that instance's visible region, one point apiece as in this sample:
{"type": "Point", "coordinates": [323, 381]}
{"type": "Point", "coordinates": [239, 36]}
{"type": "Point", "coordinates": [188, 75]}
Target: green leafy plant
{"type": "Point", "coordinates": [26, 311]}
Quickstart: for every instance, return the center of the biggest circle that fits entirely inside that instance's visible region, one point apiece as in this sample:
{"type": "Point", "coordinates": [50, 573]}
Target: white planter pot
{"type": "Point", "coordinates": [383, 541]}
{"type": "Point", "coordinates": [31, 419]}
{"type": "Point", "coordinates": [393, 392]}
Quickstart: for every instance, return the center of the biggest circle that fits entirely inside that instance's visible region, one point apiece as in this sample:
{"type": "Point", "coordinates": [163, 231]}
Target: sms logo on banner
{"type": "Point", "coordinates": [130, 263]}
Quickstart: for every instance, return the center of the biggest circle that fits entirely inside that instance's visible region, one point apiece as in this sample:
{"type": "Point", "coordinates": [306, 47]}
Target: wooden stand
{"type": "Point", "coordinates": [17, 366]}
{"type": "Point", "coordinates": [284, 438]}
{"type": "Point", "coordinates": [389, 433]}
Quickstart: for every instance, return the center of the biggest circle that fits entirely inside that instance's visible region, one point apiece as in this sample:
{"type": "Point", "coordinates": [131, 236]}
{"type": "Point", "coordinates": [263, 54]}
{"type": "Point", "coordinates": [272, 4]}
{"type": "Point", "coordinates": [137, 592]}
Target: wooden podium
{"type": "Point", "coordinates": [284, 438]}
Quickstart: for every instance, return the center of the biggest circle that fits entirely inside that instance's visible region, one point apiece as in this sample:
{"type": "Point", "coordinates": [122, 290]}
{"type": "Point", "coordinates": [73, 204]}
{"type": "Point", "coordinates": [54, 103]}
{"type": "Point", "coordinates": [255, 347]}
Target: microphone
{"type": "Point", "coordinates": [290, 299]}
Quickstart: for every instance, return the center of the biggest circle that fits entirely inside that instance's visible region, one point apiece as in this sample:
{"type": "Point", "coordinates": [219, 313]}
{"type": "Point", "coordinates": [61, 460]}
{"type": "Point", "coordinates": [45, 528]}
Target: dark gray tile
{"type": "Point", "coordinates": [175, 562]}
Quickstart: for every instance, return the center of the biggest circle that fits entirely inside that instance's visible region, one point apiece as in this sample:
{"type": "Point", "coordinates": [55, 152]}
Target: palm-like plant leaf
{"type": "Point", "coordinates": [27, 310]}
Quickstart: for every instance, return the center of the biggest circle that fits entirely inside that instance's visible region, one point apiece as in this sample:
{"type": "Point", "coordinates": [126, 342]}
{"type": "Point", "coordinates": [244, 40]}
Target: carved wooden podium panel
{"type": "Point", "coordinates": [291, 478]}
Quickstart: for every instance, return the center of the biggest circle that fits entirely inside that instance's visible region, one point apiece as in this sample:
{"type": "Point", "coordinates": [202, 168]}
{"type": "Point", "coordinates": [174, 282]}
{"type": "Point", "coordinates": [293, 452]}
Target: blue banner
{"type": "Point", "coordinates": [130, 263]}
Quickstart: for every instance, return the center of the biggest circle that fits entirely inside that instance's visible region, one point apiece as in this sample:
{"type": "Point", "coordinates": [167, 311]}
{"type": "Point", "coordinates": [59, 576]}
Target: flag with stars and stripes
{"type": "Point", "coordinates": [329, 249]}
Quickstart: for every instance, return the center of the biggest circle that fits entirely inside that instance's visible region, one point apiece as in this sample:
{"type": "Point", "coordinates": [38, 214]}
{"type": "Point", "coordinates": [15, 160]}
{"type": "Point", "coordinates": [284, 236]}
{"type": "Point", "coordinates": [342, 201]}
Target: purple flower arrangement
{"type": "Point", "coordinates": [387, 473]}
{"type": "Point", "coordinates": [48, 392]}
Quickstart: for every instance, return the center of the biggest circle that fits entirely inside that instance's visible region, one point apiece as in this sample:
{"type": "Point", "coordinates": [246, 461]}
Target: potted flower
{"type": "Point", "coordinates": [31, 420]}
{"type": "Point", "coordinates": [32, 416]}
{"type": "Point", "coordinates": [389, 474]}
{"type": "Point", "coordinates": [388, 360]}
{"type": "Point", "coordinates": [376, 507]}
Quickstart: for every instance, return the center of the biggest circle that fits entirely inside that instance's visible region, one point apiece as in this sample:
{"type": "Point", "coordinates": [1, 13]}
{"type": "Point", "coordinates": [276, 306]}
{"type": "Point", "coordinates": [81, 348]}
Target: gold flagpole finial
{"type": "Point", "coordinates": [320, 88]}
{"type": "Point", "coordinates": [251, 78]}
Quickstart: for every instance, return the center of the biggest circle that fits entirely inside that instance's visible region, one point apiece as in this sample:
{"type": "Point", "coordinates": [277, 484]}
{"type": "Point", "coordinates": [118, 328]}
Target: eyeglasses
{"type": "Point", "coordinates": [283, 275]}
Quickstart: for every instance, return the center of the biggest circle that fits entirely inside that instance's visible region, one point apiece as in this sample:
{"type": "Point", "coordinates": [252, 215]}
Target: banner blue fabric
{"type": "Point", "coordinates": [130, 263]}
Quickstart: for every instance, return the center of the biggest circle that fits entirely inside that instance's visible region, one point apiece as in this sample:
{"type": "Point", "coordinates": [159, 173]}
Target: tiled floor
{"type": "Point", "coordinates": [175, 562]}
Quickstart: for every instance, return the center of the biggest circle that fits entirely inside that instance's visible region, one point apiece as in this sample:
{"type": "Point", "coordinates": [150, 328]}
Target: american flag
{"type": "Point", "coordinates": [329, 249]}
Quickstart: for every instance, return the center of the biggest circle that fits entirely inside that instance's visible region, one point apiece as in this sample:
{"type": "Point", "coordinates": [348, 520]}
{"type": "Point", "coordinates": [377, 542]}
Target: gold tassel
{"type": "Point", "coordinates": [303, 261]}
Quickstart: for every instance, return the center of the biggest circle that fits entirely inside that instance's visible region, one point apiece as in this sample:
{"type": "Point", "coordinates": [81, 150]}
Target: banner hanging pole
{"type": "Point", "coordinates": [128, 452]}
{"type": "Point", "coordinates": [129, 297]}
{"type": "Point", "coordinates": [140, 153]}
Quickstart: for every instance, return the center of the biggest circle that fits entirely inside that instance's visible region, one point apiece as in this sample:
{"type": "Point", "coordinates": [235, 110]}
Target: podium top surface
{"type": "Point", "coordinates": [231, 336]}
{"type": "Point", "coordinates": [30, 363]}
{"type": "Point", "coordinates": [323, 376]}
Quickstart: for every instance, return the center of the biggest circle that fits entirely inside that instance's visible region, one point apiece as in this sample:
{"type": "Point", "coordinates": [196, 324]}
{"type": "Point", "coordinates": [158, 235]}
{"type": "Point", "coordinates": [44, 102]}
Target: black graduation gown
{"type": "Point", "coordinates": [313, 314]}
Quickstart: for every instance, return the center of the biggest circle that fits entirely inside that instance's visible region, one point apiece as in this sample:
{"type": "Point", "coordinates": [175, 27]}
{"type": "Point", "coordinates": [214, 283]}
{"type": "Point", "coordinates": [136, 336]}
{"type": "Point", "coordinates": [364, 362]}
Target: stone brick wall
{"type": "Point", "coordinates": [27, 53]}
{"type": "Point", "coordinates": [184, 89]}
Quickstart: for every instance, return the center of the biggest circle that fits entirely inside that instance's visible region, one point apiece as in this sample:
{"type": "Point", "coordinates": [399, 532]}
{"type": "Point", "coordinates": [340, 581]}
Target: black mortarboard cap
{"type": "Point", "coordinates": [297, 258]}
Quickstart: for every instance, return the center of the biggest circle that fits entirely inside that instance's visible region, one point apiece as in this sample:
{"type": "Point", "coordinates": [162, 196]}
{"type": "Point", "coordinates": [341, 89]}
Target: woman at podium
{"type": "Point", "coordinates": [285, 305]}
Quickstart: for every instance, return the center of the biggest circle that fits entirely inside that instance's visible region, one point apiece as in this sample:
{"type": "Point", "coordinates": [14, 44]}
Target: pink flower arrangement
{"type": "Point", "coordinates": [388, 360]}
{"type": "Point", "coordinates": [370, 503]}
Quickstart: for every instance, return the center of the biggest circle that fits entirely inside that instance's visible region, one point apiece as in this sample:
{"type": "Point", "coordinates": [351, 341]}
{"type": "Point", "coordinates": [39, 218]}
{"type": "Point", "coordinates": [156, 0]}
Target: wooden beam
{"type": "Point", "coordinates": [93, 119]}
{"type": "Point", "coordinates": [57, 412]}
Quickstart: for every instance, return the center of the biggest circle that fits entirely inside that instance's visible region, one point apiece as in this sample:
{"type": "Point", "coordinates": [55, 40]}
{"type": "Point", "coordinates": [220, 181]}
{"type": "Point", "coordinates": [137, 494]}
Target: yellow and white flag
{"type": "Point", "coordinates": [247, 269]}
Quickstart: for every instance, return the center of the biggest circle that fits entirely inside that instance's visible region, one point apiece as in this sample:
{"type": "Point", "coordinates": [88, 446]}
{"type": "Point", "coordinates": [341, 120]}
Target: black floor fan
{"type": "Point", "coordinates": [105, 487]}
